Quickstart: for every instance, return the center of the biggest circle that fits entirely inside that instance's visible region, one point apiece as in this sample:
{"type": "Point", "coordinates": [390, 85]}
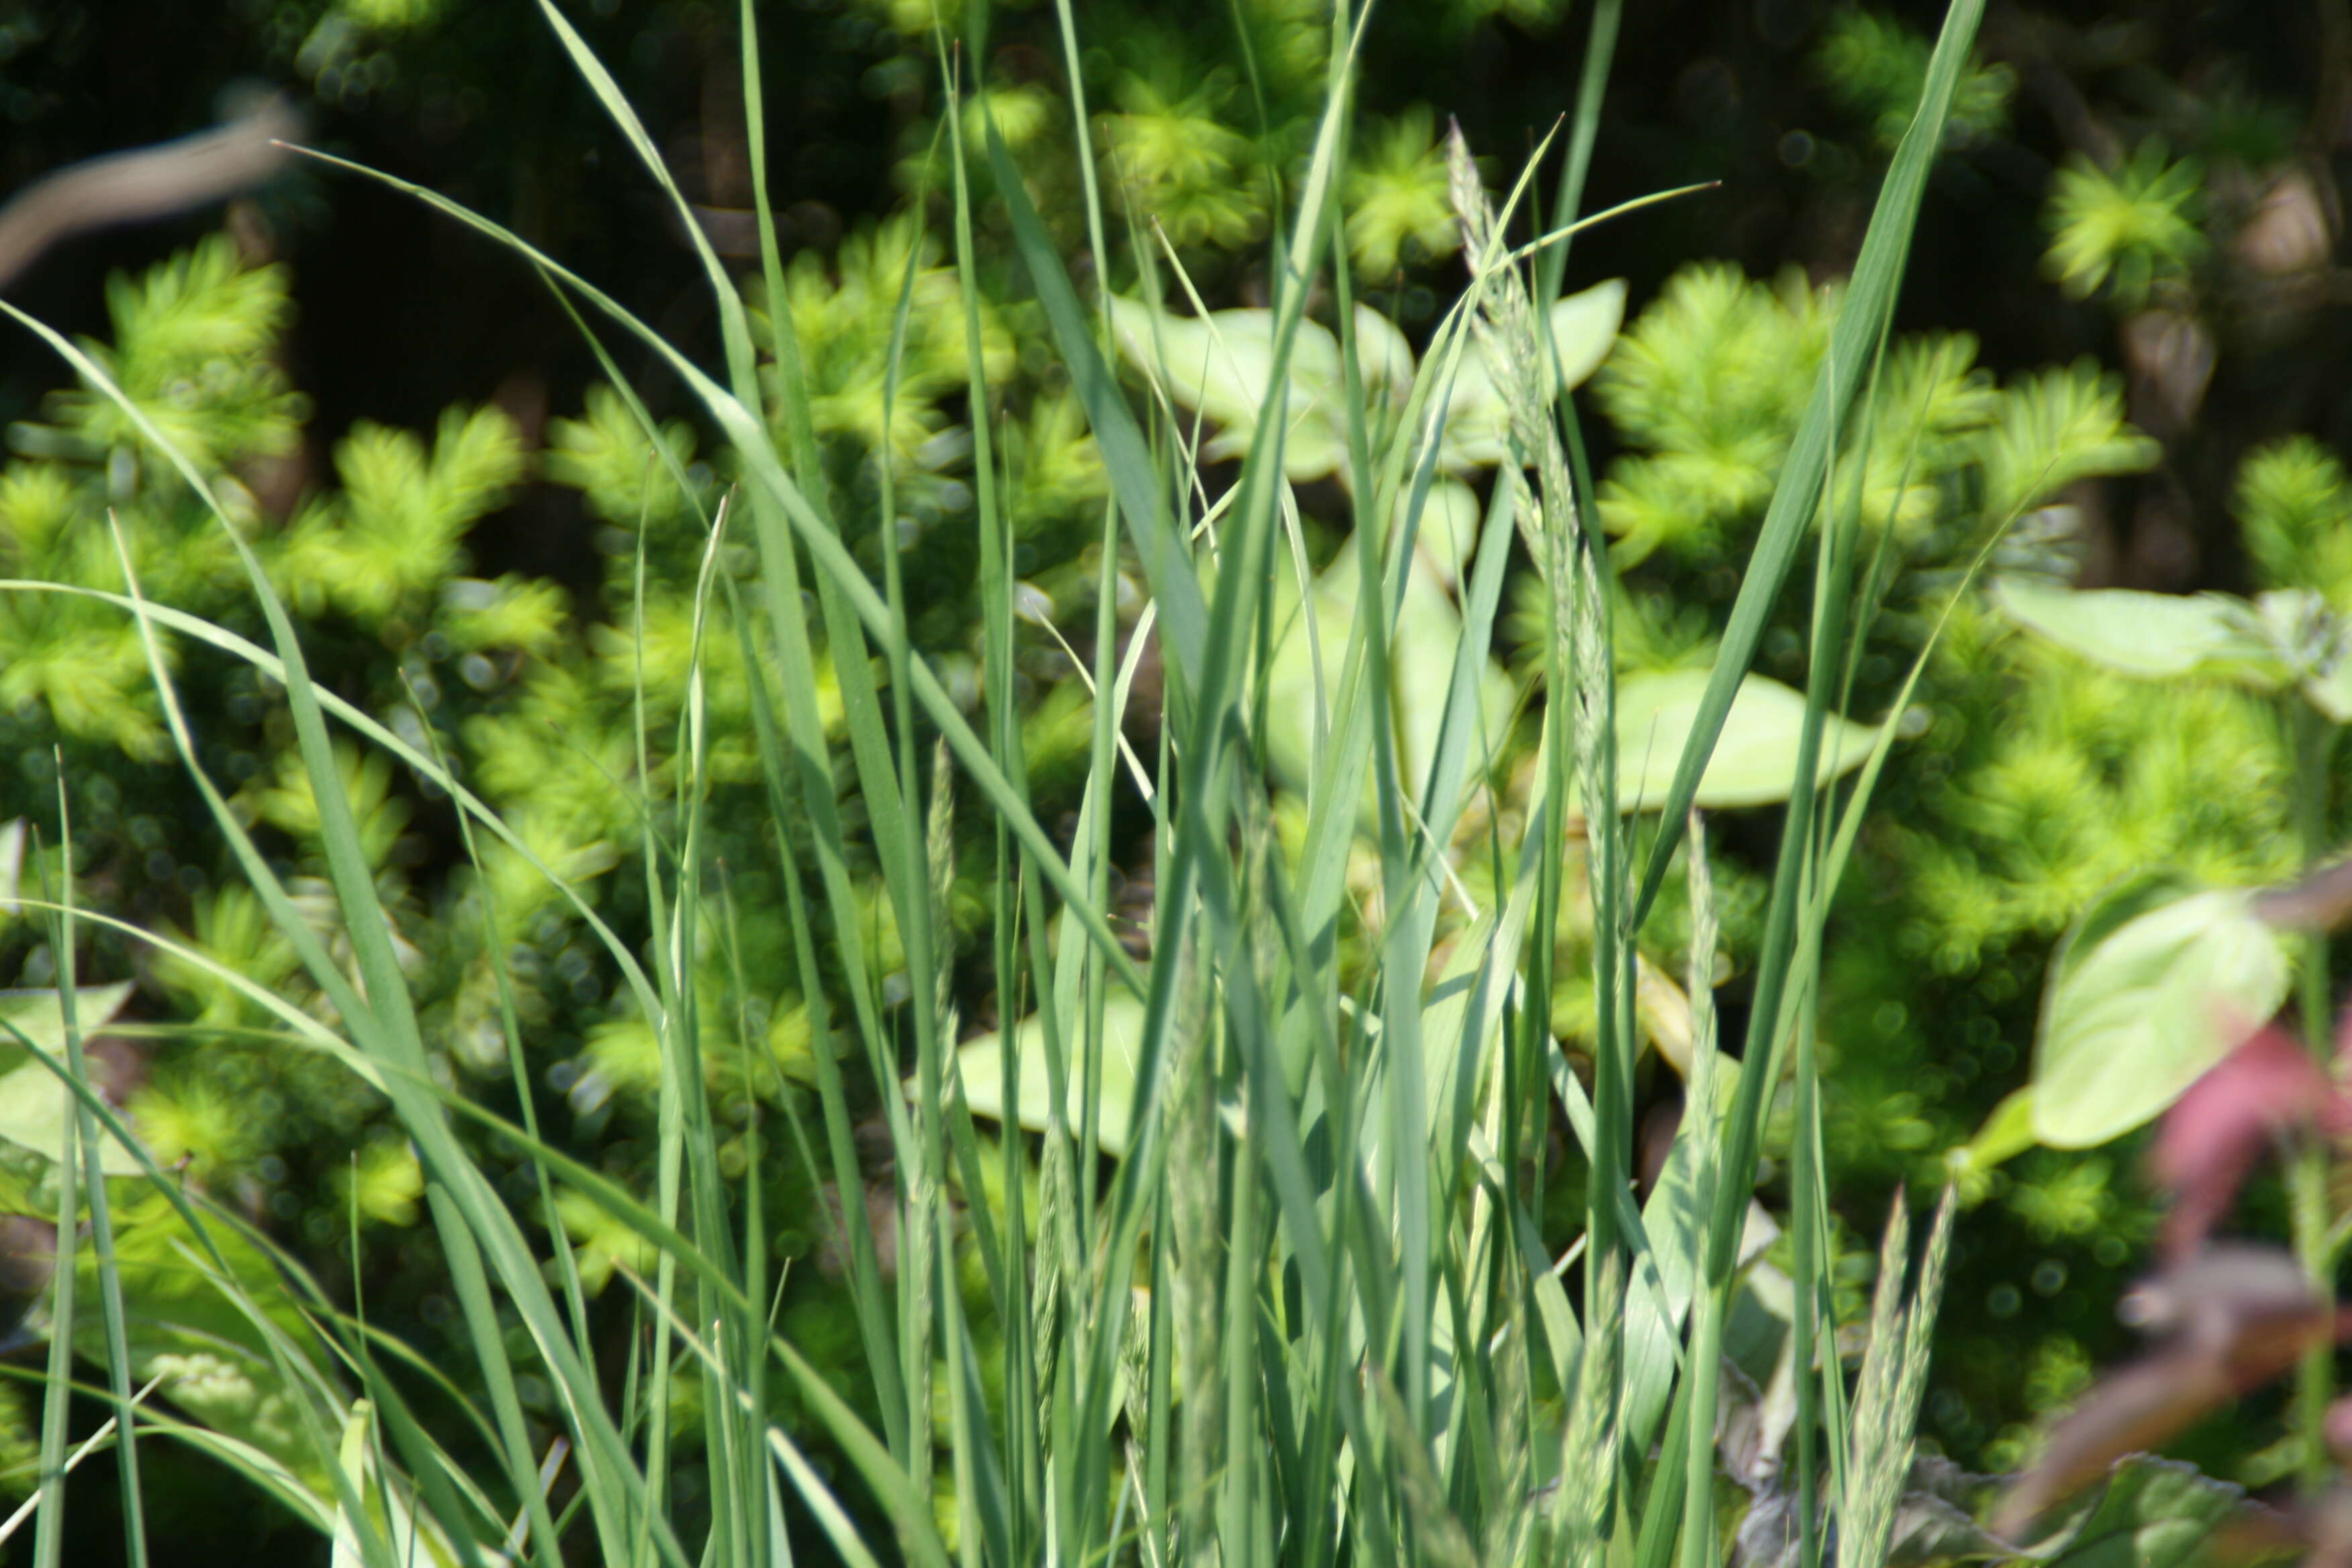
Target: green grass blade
{"type": "Point", "coordinates": [743, 428]}
{"type": "Point", "coordinates": [102, 1211]}
{"type": "Point", "coordinates": [1167, 564]}
{"type": "Point", "coordinates": [383, 1020]}
{"type": "Point", "coordinates": [57, 1403]}
{"type": "Point", "coordinates": [1869, 298]}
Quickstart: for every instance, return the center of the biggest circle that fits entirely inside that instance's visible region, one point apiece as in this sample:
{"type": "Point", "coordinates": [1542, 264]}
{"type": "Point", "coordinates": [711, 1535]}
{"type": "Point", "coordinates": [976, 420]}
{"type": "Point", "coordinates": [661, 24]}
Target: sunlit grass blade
{"type": "Point", "coordinates": [57, 1403]}
{"type": "Point", "coordinates": [382, 1018]}
{"type": "Point", "coordinates": [1869, 296]}
{"type": "Point", "coordinates": [91, 1177]}
{"type": "Point", "coordinates": [741, 426]}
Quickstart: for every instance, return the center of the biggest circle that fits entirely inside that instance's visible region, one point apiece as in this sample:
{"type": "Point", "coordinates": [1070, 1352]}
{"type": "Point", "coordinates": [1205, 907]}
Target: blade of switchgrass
{"type": "Point", "coordinates": [290, 1366]}
{"type": "Point", "coordinates": [381, 1017]}
{"type": "Point", "coordinates": [885, 798]}
{"type": "Point", "coordinates": [687, 1144]}
{"type": "Point", "coordinates": [886, 791]}
{"type": "Point", "coordinates": [57, 1402]}
{"type": "Point", "coordinates": [1205, 679]}
{"type": "Point", "coordinates": [541, 1524]}
{"type": "Point", "coordinates": [867, 1454]}
{"type": "Point", "coordinates": [755, 1498]}
{"type": "Point", "coordinates": [1698, 1116]}
{"type": "Point", "coordinates": [896, 1382]}
{"type": "Point", "coordinates": [92, 1176]}
{"type": "Point", "coordinates": [1551, 827]}
{"type": "Point", "coordinates": [1126, 459]}
{"type": "Point", "coordinates": [739, 1530]}
{"type": "Point", "coordinates": [668, 1106]}
{"type": "Point", "coordinates": [1584, 131]}
{"type": "Point", "coordinates": [840, 1530]}
{"type": "Point", "coordinates": [798, 824]}
{"type": "Point", "coordinates": [103, 1437]}
{"type": "Point", "coordinates": [1858, 336]}
{"type": "Point", "coordinates": [1080, 972]}
{"type": "Point", "coordinates": [807, 824]}
{"type": "Point", "coordinates": [739, 423]}
{"type": "Point", "coordinates": [1684, 1490]}
{"type": "Point", "coordinates": [607, 1195]}
{"type": "Point", "coordinates": [1869, 298]}
{"type": "Point", "coordinates": [1834, 652]}
{"type": "Point", "coordinates": [1010, 1520]}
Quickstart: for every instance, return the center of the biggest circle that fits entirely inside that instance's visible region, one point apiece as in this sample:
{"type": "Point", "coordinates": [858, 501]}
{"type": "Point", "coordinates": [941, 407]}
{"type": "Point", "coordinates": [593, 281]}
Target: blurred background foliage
{"type": "Point", "coordinates": [2123, 329]}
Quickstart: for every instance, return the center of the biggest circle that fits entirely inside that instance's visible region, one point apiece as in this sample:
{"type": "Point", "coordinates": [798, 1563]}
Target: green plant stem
{"type": "Point", "coordinates": [2313, 740]}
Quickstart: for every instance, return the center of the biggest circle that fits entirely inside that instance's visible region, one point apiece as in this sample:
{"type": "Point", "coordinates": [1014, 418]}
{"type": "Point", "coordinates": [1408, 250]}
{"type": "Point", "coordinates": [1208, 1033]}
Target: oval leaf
{"type": "Point", "coordinates": [1584, 328]}
{"type": "Point", "coordinates": [1755, 759]}
{"type": "Point", "coordinates": [1421, 665]}
{"type": "Point", "coordinates": [981, 1060]}
{"type": "Point", "coordinates": [2152, 988]}
{"type": "Point", "coordinates": [35, 1101]}
{"type": "Point", "coordinates": [2152, 636]}
{"type": "Point", "coordinates": [1219, 364]}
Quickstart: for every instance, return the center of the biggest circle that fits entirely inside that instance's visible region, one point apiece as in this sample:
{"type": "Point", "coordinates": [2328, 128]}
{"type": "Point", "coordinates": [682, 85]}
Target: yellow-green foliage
{"type": "Point", "coordinates": [1875, 67]}
{"type": "Point", "coordinates": [843, 315]}
{"type": "Point", "coordinates": [2295, 505]}
{"type": "Point", "coordinates": [1180, 164]}
{"type": "Point", "coordinates": [2031, 780]}
{"type": "Point", "coordinates": [2130, 229]}
{"type": "Point", "coordinates": [379, 551]}
{"type": "Point", "coordinates": [1709, 383]}
{"type": "Point", "coordinates": [1397, 203]}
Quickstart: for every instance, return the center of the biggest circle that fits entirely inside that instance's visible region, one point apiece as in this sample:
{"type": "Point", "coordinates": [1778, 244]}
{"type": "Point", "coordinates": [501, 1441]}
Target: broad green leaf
{"type": "Point", "coordinates": [35, 1101]}
{"type": "Point", "coordinates": [1477, 421]}
{"type": "Point", "coordinates": [1448, 532]}
{"type": "Point", "coordinates": [981, 1060]}
{"type": "Point", "coordinates": [1420, 660]}
{"type": "Point", "coordinates": [2330, 692]}
{"type": "Point", "coordinates": [2152, 988]}
{"type": "Point", "coordinates": [1219, 364]}
{"type": "Point", "coordinates": [12, 863]}
{"type": "Point", "coordinates": [2152, 636]}
{"type": "Point", "coordinates": [1584, 328]}
{"type": "Point", "coordinates": [1755, 759]}
{"type": "Point", "coordinates": [2316, 644]}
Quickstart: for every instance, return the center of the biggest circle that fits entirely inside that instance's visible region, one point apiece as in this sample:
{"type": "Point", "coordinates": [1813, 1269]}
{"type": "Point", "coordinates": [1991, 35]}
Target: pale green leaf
{"type": "Point", "coordinates": [2151, 636]}
{"type": "Point", "coordinates": [2150, 990]}
{"type": "Point", "coordinates": [1219, 367]}
{"type": "Point", "coordinates": [1755, 759]}
{"type": "Point", "coordinates": [981, 1060]}
{"type": "Point", "coordinates": [1420, 660]}
{"type": "Point", "coordinates": [34, 1101]}
{"type": "Point", "coordinates": [2006, 1133]}
{"type": "Point", "coordinates": [1584, 328]}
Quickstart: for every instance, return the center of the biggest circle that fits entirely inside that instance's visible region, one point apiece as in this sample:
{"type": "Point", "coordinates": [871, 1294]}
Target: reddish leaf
{"type": "Point", "coordinates": [2212, 1135]}
{"type": "Point", "coordinates": [2236, 1317]}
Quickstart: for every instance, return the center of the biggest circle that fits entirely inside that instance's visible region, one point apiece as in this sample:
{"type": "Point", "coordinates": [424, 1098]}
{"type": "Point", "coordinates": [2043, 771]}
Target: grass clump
{"type": "Point", "coordinates": [1268, 1255]}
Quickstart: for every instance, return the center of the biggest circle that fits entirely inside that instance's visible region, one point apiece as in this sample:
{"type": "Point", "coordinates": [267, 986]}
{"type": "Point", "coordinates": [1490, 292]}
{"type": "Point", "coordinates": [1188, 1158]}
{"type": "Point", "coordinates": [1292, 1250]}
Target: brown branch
{"type": "Point", "coordinates": [144, 184]}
